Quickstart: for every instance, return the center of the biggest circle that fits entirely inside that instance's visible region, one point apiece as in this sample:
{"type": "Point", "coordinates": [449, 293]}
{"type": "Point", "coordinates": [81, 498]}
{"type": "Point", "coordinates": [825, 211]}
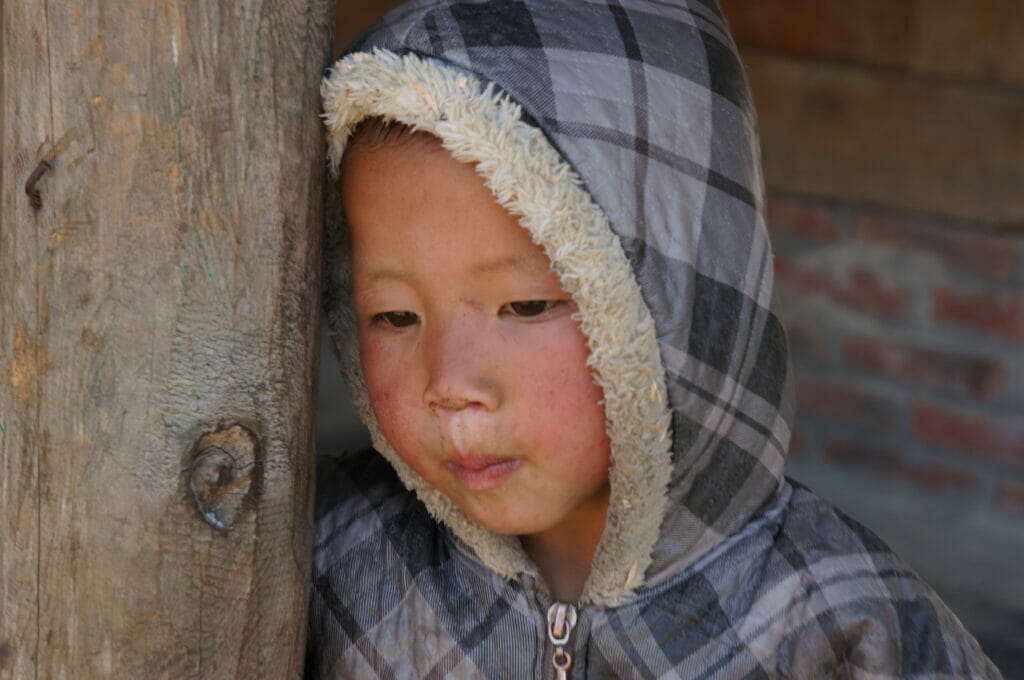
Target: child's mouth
{"type": "Point", "coordinates": [478, 473]}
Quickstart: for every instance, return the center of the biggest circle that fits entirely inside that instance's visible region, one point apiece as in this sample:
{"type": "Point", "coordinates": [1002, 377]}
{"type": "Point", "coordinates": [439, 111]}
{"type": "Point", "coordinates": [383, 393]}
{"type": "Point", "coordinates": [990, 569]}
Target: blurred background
{"type": "Point", "coordinates": [892, 136]}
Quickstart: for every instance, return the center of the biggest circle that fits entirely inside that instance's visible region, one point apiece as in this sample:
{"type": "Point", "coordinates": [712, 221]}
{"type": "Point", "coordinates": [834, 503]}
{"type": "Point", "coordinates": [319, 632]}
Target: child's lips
{"type": "Point", "coordinates": [465, 431]}
{"type": "Point", "coordinates": [479, 473]}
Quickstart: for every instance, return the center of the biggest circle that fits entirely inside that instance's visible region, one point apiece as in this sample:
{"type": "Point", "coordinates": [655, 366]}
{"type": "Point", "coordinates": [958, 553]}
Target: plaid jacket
{"type": "Point", "coordinates": [621, 134]}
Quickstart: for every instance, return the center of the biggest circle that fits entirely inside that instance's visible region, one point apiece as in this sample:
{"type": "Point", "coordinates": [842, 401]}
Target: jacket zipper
{"type": "Point", "coordinates": [561, 620]}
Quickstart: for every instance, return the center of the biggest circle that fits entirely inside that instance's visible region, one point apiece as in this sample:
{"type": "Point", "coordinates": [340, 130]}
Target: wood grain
{"type": "Point", "coordinates": [959, 40]}
{"type": "Point", "coordinates": [168, 283]}
{"type": "Point", "coordinates": [835, 130]}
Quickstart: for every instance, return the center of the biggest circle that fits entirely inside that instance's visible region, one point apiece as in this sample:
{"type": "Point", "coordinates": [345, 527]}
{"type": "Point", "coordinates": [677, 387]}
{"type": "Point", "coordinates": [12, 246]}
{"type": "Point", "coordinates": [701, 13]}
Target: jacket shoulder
{"type": "Point", "coordinates": [856, 607]}
{"type": "Point", "coordinates": [805, 592]}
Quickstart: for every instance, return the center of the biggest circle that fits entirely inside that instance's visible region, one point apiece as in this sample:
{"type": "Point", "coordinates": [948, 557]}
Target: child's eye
{"type": "Point", "coordinates": [528, 308]}
{"type": "Point", "coordinates": [396, 319]}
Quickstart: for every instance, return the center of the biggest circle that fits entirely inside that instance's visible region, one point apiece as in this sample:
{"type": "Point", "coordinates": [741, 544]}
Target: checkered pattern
{"type": "Point", "coordinates": [750, 578]}
{"type": "Point", "coordinates": [801, 592]}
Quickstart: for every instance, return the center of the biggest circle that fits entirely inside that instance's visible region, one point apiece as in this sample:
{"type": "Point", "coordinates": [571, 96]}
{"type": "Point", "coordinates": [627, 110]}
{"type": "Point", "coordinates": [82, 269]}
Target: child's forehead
{"type": "Point", "coordinates": [412, 200]}
{"type": "Point", "coordinates": [383, 159]}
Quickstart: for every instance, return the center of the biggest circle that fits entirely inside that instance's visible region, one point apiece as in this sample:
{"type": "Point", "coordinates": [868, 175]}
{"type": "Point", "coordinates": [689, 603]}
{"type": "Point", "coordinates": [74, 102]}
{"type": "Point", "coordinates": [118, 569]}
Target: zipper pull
{"type": "Point", "coordinates": [561, 620]}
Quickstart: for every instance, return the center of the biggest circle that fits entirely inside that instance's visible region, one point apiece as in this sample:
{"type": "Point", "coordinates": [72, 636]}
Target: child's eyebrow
{"type": "Point", "coordinates": [382, 274]}
{"type": "Point", "coordinates": [516, 261]}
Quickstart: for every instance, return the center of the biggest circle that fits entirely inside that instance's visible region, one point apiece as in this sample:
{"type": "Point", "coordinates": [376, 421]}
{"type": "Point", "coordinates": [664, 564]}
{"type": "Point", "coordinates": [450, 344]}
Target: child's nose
{"type": "Point", "coordinates": [460, 367]}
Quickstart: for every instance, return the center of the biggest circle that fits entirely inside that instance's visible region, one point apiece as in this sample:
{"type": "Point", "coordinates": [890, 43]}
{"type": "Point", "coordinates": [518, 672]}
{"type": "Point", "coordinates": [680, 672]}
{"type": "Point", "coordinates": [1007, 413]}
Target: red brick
{"type": "Point", "coordinates": [1011, 496]}
{"type": "Point", "coordinates": [798, 443]}
{"type": "Point", "coordinates": [803, 279]}
{"type": "Point", "coordinates": [783, 266]}
{"type": "Point", "coordinates": [992, 313]}
{"type": "Point", "coordinates": [981, 254]}
{"type": "Point", "coordinates": [806, 344]}
{"type": "Point", "coordinates": [974, 433]}
{"type": "Point", "coordinates": [867, 291]}
{"type": "Point", "coordinates": [860, 288]}
{"type": "Point", "coordinates": [979, 376]}
{"type": "Point", "coordinates": [840, 401]}
{"type": "Point", "coordinates": [802, 219]}
{"type": "Point", "coordinates": [885, 461]}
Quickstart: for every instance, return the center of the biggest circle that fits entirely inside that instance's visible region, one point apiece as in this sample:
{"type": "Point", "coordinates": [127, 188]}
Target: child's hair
{"type": "Point", "coordinates": [376, 131]}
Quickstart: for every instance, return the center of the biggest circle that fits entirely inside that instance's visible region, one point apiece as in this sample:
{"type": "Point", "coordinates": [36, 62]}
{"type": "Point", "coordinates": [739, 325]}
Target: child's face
{"type": "Point", "coordinates": [475, 368]}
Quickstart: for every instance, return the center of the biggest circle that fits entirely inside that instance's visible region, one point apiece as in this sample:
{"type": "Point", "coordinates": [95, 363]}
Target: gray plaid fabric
{"type": "Point", "coordinates": [752, 577]}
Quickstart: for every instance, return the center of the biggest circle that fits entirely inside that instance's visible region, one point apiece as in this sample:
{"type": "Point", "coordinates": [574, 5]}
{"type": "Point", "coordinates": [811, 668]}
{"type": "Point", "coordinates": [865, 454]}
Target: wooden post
{"type": "Point", "coordinates": [159, 285]}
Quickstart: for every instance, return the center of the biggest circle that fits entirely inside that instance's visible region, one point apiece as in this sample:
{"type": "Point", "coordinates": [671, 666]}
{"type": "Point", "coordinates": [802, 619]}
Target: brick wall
{"type": "Point", "coordinates": [892, 136]}
{"type": "Point", "coordinates": [907, 336]}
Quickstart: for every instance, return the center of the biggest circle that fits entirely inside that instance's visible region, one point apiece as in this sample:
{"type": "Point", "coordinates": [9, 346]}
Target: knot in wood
{"type": "Point", "coordinates": [31, 190]}
{"type": "Point", "coordinates": [221, 474]}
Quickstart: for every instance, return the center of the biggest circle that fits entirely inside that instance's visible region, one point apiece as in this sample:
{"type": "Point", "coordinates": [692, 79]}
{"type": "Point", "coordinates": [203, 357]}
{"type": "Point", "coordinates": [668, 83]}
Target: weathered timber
{"type": "Point", "coordinates": [959, 40]}
{"type": "Point", "coordinates": [836, 130]}
{"type": "Point", "coordinates": [158, 283]}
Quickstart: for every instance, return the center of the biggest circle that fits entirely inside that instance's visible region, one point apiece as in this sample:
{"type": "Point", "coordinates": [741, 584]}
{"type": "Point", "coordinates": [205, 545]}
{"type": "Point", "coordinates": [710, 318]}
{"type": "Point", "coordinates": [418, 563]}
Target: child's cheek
{"type": "Point", "coordinates": [397, 423]}
{"type": "Point", "coordinates": [383, 384]}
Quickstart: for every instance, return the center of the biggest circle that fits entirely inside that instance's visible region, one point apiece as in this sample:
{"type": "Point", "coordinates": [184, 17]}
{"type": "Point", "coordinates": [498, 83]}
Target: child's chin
{"type": "Point", "coordinates": [507, 526]}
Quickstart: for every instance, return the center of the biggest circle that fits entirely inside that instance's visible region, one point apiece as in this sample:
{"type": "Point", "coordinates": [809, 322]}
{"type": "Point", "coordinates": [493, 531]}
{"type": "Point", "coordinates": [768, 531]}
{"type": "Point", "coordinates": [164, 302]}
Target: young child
{"type": "Point", "coordinates": [551, 298]}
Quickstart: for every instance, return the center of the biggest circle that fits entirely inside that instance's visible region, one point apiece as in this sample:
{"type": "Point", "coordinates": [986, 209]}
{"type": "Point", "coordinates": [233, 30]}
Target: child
{"type": "Point", "coordinates": [553, 306]}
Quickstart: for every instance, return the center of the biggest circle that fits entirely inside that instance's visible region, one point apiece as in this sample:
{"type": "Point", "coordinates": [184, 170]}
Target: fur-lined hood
{"type": "Point", "coordinates": [620, 133]}
{"type": "Point", "coordinates": [635, 166]}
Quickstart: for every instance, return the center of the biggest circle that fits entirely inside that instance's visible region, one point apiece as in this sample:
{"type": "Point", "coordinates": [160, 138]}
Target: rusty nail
{"type": "Point", "coordinates": [30, 184]}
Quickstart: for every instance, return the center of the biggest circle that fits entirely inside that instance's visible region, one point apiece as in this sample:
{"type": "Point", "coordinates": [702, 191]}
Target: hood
{"type": "Point", "coordinates": [622, 136]}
